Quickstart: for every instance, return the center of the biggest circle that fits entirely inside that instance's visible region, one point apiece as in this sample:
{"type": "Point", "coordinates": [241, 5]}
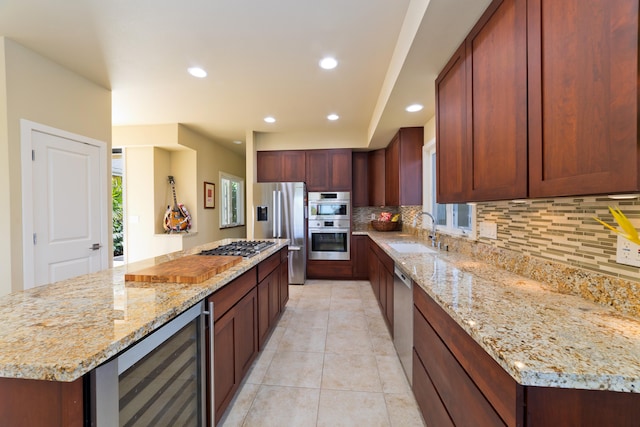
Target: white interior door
{"type": "Point", "coordinates": [68, 219]}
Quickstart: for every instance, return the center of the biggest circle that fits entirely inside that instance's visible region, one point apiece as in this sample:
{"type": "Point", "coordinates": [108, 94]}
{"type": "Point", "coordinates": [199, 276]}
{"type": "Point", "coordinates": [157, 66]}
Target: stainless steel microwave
{"type": "Point", "coordinates": [330, 205]}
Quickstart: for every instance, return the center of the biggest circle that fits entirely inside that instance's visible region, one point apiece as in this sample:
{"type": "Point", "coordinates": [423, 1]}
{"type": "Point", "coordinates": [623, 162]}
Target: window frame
{"type": "Point", "coordinates": [226, 209]}
{"type": "Point", "coordinates": [429, 199]}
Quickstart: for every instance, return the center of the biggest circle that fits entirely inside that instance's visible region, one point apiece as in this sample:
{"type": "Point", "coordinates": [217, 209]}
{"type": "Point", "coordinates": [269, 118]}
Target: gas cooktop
{"type": "Point", "coordinates": [243, 248]}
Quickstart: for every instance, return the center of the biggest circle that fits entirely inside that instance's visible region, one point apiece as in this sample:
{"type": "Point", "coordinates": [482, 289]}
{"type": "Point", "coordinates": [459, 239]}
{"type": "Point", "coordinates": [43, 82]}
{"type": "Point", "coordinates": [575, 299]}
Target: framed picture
{"type": "Point", "coordinates": [209, 195]}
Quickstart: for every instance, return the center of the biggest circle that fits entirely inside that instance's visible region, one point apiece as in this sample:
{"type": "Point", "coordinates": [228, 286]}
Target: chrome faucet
{"type": "Point", "coordinates": [433, 230]}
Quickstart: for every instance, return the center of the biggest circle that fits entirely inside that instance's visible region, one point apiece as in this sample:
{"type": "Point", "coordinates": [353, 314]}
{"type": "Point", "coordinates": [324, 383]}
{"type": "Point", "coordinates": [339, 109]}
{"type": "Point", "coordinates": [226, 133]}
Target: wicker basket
{"type": "Point", "coordinates": [385, 225]}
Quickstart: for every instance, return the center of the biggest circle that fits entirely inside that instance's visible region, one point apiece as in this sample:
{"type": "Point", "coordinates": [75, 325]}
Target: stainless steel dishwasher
{"type": "Point", "coordinates": [403, 320]}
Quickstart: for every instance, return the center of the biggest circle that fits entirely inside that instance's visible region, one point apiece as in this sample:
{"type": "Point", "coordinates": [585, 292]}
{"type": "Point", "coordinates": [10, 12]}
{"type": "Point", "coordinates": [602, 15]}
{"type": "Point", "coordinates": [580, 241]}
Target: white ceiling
{"type": "Point", "coordinates": [261, 56]}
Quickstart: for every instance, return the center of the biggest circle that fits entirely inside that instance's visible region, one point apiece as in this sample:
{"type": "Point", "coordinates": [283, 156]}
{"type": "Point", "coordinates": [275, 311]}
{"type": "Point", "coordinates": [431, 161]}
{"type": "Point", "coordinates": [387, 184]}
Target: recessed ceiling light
{"type": "Point", "coordinates": [414, 107]}
{"type": "Point", "coordinates": [237, 142]}
{"type": "Point", "coordinates": [328, 63]}
{"type": "Point", "coordinates": [269, 119]}
{"type": "Point", "coordinates": [333, 117]}
{"type": "Point", "coordinates": [197, 72]}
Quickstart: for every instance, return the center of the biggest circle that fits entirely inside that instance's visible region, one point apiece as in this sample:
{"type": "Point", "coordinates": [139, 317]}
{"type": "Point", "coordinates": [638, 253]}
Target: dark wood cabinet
{"type": "Point", "coordinates": [496, 76]}
{"type": "Point", "coordinates": [360, 193]}
{"type": "Point", "coordinates": [451, 133]}
{"type": "Point", "coordinates": [281, 166]}
{"type": "Point", "coordinates": [376, 177]}
{"type": "Point", "coordinates": [359, 257]}
{"type": "Point", "coordinates": [381, 278]}
{"type": "Point", "coordinates": [284, 277]}
{"type": "Point", "coordinates": [456, 382]}
{"type": "Point", "coordinates": [269, 308]}
{"type": "Point", "coordinates": [541, 100]}
{"type": "Point", "coordinates": [583, 97]}
{"type": "Point", "coordinates": [37, 403]}
{"type": "Point", "coordinates": [403, 168]}
{"type": "Point", "coordinates": [236, 345]}
{"type": "Point", "coordinates": [235, 336]}
{"type": "Point", "coordinates": [481, 110]}
{"type": "Point", "coordinates": [327, 269]}
{"type": "Point", "coordinates": [328, 170]}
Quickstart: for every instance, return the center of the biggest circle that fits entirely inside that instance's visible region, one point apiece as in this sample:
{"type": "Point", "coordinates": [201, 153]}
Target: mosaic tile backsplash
{"type": "Point", "coordinates": [555, 241]}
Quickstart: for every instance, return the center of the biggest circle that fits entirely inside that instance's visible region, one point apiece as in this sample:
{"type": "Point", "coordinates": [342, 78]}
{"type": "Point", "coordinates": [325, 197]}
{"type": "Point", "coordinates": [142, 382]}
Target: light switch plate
{"type": "Point", "coordinates": [627, 253]}
{"type": "Point", "coordinates": [488, 230]}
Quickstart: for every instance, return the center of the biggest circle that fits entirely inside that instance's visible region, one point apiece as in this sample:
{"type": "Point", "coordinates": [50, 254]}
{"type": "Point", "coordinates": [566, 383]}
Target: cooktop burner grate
{"type": "Point", "coordinates": [244, 248]}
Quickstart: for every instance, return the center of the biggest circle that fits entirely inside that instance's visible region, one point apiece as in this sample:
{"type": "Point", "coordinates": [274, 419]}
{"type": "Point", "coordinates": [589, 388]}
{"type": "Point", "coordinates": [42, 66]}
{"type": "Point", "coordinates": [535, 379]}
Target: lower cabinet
{"type": "Point", "coordinates": [245, 312]}
{"type": "Point", "coordinates": [359, 257]}
{"type": "Point", "coordinates": [456, 382]}
{"type": "Point", "coordinates": [380, 267]}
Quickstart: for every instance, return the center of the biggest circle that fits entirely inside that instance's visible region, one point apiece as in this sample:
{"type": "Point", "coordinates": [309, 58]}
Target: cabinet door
{"type": "Point", "coordinates": [341, 167]}
{"type": "Point", "coordinates": [388, 309]}
{"type": "Point", "coordinates": [284, 278]}
{"type": "Point", "coordinates": [583, 97]}
{"type": "Point", "coordinates": [269, 166]}
{"type": "Point", "coordinates": [376, 177]}
{"type": "Point", "coordinates": [451, 141]}
{"type": "Point", "coordinates": [410, 166]}
{"type": "Point", "coordinates": [224, 362]}
{"type": "Point", "coordinates": [360, 195]}
{"type": "Point", "coordinates": [374, 266]}
{"type": "Point", "coordinates": [359, 255]}
{"type": "Point", "coordinates": [317, 164]}
{"type": "Point", "coordinates": [392, 173]}
{"type": "Point", "coordinates": [246, 332]}
{"type": "Point", "coordinates": [496, 75]}
{"type": "Point", "coordinates": [293, 166]}
{"type": "Point", "coordinates": [268, 304]}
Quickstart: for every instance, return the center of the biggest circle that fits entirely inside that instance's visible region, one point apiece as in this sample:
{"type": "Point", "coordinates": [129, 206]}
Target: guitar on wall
{"type": "Point", "coordinates": [176, 218]}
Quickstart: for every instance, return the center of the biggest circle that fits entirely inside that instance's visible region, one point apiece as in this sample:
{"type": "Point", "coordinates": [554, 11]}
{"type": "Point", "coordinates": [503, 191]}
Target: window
{"type": "Point", "coordinates": [457, 219]}
{"type": "Point", "coordinates": [231, 200]}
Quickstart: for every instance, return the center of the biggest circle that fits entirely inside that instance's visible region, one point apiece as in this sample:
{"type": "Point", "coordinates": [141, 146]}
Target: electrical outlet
{"type": "Point", "coordinates": [488, 230]}
{"type": "Point", "coordinates": [627, 253]}
{"type": "Point", "coordinates": [373, 216]}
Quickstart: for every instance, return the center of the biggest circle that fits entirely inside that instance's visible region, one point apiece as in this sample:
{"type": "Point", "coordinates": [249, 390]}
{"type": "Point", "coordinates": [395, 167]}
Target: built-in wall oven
{"type": "Point", "coordinates": [330, 205]}
{"type": "Point", "coordinates": [159, 381]}
{"type": "Point", "coordinates": [329, 239]}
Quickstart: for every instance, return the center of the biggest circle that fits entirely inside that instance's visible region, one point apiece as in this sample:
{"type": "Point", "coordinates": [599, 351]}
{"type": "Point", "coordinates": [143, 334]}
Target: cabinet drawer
{"type": "Point", "coordinates": [499, 388]}
{"type": "Point", "coordinates": [267, 266]}
{"type": "Point", "coordinates": [433, 410]}
{"type": "Point", "coordinates": [226, 297]}
{"type": "Point", "coordinates": [465, 402]}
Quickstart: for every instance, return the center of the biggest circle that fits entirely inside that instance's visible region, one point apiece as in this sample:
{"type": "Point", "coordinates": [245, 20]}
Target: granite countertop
{"type": "Point", "coordinates": [538, 335]}
{"type": "Point", "coordinates": [62, 331]}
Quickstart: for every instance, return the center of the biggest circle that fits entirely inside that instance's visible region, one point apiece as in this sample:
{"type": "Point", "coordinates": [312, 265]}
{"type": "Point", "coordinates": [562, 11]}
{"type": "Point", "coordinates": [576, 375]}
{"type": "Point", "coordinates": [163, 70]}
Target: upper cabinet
{"type": "Point", "coordinates": [583, 97]}
{"type": "Point", "coordinates": [329, 170]}
{"type": "Point", "coordinates": [281, 166]}
{"type": "Point", "coordinates": [376, 177]}
{"type": "Point", "coordinates": [541, 100]}
{"type": "Point", "coordinates": [403, 168]}
{"type": "Point", "coordinates": [360, 194]}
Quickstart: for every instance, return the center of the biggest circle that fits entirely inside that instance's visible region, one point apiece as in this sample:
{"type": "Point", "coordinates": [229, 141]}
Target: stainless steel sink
{"type": "Point", "coordinates": [412, 248]}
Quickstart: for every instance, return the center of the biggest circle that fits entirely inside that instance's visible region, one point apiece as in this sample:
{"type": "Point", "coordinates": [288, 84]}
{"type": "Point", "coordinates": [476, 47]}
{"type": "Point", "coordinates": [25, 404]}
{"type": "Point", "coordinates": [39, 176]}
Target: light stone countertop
{"type": "Point", "coordinates": [64, 330]}
{"type": "Point", "coordinates": [539, 336]}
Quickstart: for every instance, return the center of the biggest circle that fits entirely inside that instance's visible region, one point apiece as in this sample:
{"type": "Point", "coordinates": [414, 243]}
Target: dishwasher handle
{"type": "Point", "coordinates": [403, 277]}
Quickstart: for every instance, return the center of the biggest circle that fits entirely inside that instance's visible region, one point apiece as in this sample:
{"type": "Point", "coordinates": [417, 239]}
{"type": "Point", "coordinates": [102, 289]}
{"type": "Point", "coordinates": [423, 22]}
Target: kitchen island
{"type": "Point", "coordinates": [543, 339]}
{"type": "Point", "coordinates": [61, 332]}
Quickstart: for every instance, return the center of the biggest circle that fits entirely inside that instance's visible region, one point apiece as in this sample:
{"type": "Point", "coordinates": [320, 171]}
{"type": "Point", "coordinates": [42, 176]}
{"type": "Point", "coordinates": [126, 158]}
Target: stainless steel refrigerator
{"type": "Point", "coordinates": [280, 213]}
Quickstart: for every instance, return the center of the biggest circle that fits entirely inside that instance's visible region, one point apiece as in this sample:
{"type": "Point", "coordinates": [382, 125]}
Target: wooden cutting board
{"type": "Point", "coordinates": [188, 269]}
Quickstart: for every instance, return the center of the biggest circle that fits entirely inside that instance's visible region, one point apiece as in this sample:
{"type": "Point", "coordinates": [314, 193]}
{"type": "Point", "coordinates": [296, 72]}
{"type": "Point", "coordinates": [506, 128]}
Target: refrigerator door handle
{"type": "Point", "coordinates": [295, 248]}
{"type": "Point", "coordinates": [275, 213]}
{"type": "Point", "coordinates": [277, 226]}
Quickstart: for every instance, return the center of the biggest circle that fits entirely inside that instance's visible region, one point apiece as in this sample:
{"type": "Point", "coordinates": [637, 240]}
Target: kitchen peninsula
{"type": "Point", "coordinates": [59, 333]}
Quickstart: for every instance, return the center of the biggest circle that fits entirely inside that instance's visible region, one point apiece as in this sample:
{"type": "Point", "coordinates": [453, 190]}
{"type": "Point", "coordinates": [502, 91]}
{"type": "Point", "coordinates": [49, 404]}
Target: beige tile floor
{"type": "Point", "coordinates": [329, 362]}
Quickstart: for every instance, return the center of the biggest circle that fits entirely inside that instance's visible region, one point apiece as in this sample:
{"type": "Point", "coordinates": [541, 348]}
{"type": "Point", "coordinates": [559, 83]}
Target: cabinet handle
{"type": "Point", "coordinates": [212, 401]}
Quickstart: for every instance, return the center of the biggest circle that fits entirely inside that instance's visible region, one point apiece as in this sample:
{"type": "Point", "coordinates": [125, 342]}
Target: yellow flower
{"type": "Point", "coordinates": [628, 230]}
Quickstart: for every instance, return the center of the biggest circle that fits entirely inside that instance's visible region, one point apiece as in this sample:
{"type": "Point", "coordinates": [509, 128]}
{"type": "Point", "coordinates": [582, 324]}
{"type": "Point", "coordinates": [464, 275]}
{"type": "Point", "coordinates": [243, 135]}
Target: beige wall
{"type": "Point", "coordinates": [37, 89]}
{"type": "Point", "coordinates": [151, 154]}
